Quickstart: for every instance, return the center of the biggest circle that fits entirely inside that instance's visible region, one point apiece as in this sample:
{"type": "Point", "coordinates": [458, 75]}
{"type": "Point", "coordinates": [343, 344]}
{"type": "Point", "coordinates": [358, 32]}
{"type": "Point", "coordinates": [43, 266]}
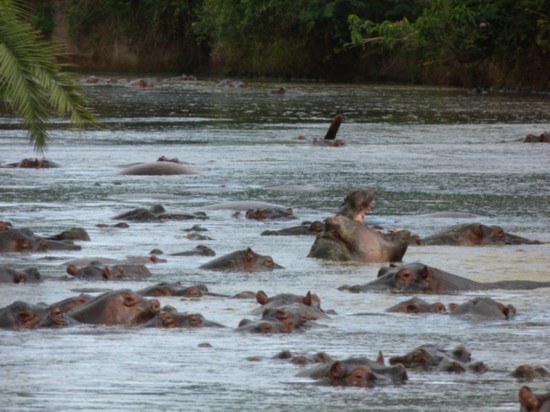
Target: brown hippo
{"type": "Point", "coordinates": [24, 240]}
{"type": "Point", "coordinates": [417, 305]}
{"type": "Point", "coordinates": [433, 357]}
{"type": "Point", "coordinates": [173, 289]}
{"type": "Point", "coordinates": [308, 300]}
{"type": "Point", "coordinates": [105, 272]}
{"type": "Point", "coordinates": [74, 233]}
{"type": "Point", "coordinates": [347, 240]}
{"type": "Point", "coordinates": [304, 359]}
{"type": "Point", "coordinates": [483, 308]}
{"type": "Point", "coordinates": [528, 373]}
{"type": "Point", "coordinates": [530, 402]}
{"type": "Point", "coordinates": [242, 260]}
{"type": "Point", "coordinates": [35, 163]}
{"type": "Point", "coordinates": [120, 307]}
{"type": "Point", "coordinates": [174, 319]}
{"type": "Point", "coordinates": [473, 234]}
{"type": "Point", "coordinates": [68, 304]}
{"type": "Point", "coordinates": [357, 371]}
{"type": "Point", "coordinates": [10, 275]}
{"type": "Point", "coordinates": [542, 138]}
{"type": "Point", "coordinates": [419, 278]}
{"type": "Point", "coordinates": [160, 167]}
{"type": "Point", "coordinates": [268, 326]}
{"type": "Point", "coordinates": [306, 228]}
{"type": "Point", "coordinates": [270, 214]}
{"type": "Point", "coordinates": [22, 315]}
{"type": "Point", "coordinates": [157, 213]}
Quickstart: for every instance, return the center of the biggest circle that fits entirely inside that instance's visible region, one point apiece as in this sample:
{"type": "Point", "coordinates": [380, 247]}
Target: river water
{"type": "Point", "coordinates": [434, 157]}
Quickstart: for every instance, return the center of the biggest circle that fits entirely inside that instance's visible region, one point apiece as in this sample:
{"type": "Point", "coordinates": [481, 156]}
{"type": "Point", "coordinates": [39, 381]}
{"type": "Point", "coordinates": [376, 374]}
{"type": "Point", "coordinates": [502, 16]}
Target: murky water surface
{"type": "Point", "coordinates": [426, 152]}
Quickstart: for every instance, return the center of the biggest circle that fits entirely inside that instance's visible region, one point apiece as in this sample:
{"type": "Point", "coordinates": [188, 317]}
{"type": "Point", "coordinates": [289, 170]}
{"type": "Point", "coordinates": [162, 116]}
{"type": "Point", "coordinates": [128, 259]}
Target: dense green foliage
{"type": "Point", "coordinates": [462, 42]}
{"type": "Point", "coordinates": [31, 81]}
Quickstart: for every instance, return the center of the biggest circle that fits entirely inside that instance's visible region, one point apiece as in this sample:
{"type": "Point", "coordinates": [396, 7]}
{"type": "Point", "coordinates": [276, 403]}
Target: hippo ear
{"type": "Point", "coordinates": [380, 358]}
{"type": "Point", "coordinates": [425, 272]}
{"type": "Point", "coordinates": [248, 255]}
{"type": "Point", "coordinates": [306, 300]}
{"type": "Point", "coordinates": [336, 370]}
{"type": "Point", "coordinates": [107, 274]}
{"type": "Point", "coordinates": [383, 270]}
{"type": "Point", "coordinates": [261, 297]}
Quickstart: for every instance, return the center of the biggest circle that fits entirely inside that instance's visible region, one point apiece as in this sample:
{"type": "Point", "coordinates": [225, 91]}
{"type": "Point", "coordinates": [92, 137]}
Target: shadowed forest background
{"type": "Point", "coordinates": [466, 43]}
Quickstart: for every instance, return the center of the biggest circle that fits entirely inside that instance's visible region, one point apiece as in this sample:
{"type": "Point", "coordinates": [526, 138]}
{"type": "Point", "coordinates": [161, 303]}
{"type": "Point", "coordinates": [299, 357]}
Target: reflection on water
{"type": "Point", "coordinates": [424, 151]}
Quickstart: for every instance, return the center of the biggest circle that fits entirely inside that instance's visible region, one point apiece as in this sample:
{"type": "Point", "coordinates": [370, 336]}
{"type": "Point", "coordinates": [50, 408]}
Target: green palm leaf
{"type": "Point", "coordinates": [32, 82]}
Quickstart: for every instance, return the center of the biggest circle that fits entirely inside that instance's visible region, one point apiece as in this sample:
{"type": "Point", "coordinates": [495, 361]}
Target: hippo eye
{"type": "Point", "coordinates": [268, 262]}
{"type": "Point", "coordinates": [195, 321]}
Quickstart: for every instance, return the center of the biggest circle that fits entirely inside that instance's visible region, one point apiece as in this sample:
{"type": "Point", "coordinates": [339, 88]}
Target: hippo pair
{"type": "Point", "coordinates": [420, 278]}
{"type": "Point", "coordinates": [11, 275]}
{"type": "Point", "coordinates": [14, 239]}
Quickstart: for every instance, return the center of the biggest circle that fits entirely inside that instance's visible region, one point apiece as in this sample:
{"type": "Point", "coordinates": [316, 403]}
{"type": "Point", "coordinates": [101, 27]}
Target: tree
{"type": "Point", "coordinates": [32, 82]}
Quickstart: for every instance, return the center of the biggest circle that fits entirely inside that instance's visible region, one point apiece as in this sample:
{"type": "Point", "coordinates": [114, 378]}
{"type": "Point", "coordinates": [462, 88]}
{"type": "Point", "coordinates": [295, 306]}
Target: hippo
{"type": "Point", "coordinates": [267, 326]}
{"type": "Point", "coordinates": [174, 289]}
{"type": "Point", "coordinates": [306, 228]}
{"type": "Point", "coordinates": [24, 240]}
{"type": "Point", "coordinates": [243, 206]}
{"type": "Point", "coordinates": [120, 307]}
{"type": "Point", "coordinates": [530, 402]}
{"type": "Point", "coordinates": [242, 260]}
{"type": "Point", "coordinates": [199, 250]}
{"type": "Point", "coordinates": [474, 234]}
{"type": "Point", "coordinates": [542, 138]}
{"type": "Point", "coordinates": [270, 213]}
{"type": "Point", "coordinates": [356, 204]}
{"type": "Point", "coordinates": [346, 240]}
{"type": "Point", "coordinates": [357, 371]}
{"type": "Point", "coordinates": [114, 272]}
{"type": "Point", "coordinates": [10, 275]}
{"type": "Point", "coordinates": [304, 359]}
{"type": "Point", "coordinates": [22, 315]}
{"type": "Point", "coordinates": [528, 373]}
{"type": "Point", "coordinates": [174, 319]}
{"type": "Point", "coordinates": [433, 357]}
{"type": "Point", "coordinates": [283, 299]}
{"type": "Point", "coordinates": [130, 260]}
{"type": "Point", "coordinates": [417, 305]}
{"type": "Point", "coordinates": [297, 313]}
{"type": "Point", "coordinates": [35, 163]}
{"type": "Point", "coordinates": [160, 167]}
{"type": "Point", "coordinates": [72, 234]}
{"type": "Point", "coordinates": [157, 213]}
{"type": "Point", "coordinates": [72, 302]}
{"type": "Point", "coordinates": [417, 277]}
{"type": "Point", "coordinates": [483, 308]}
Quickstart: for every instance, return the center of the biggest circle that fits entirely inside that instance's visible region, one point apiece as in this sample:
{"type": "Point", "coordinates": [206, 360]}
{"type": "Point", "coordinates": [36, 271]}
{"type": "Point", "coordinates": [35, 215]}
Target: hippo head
{"type": "Point", "coordinates": [359, 376]}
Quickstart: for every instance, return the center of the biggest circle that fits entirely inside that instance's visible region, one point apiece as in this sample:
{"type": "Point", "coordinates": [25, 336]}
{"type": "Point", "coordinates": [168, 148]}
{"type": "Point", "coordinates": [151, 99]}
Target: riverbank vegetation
{"type": "Point", "coordinates": [470, 43]}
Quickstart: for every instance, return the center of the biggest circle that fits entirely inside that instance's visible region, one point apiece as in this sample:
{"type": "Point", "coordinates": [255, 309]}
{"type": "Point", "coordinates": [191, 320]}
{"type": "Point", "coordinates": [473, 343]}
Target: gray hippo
{"type": "Point", "coordinates": [24, 240]}
{"type": "Point", "coordinates": [347, 240]}
{"type": "Point", "coordinates": [120, 307]}
{"type": "Point", "coordinates": [157, 213]}
{"type": "Point", "coordinates": [531, 402]}
{"type": "Point", "coordinates": [162, 166]}
{"type": "Point", "coordinates": [242, 260]}
{"type": "Point", "coordinates": [528, 373]}
{"type": "Point", "coordinates": [483, 308]}
{"type": "Point", "coordinates": [22, 315]}
{"type": "Point", "coordinates": [306, 228]}
{"type": "Point", "coordinates": [357, 371]}
{"type": "Point", "coordinates": [113, 272]}
{"type": "Point", "coordinates": [435, 358]}
{"type": "Point", "coordinates": [170, 318]}
{"type": "Point", "coordinates": [10, 275]}
{"type": "Point", "coordinates": [542, 138]}
{"type": "Point", "coordinates": [417, 305]}
{"type": "Point", "coordinates": [473, 234]}
{"type": "Point", "coordinates": [420, 278]}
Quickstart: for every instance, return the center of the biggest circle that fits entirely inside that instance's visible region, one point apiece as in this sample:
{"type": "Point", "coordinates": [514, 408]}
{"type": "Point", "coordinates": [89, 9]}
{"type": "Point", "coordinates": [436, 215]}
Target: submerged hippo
{"type": "Point", "coordinates": [242, 260]}
{"type": "Point", "coordinates": [420, 278]}
{"type": "Point", "coordinates": [433, 357]}
{"type": "Point", "coordinates": [270, 213]}
{"type": "Point", "coordinates": [24, 240]}
{"type": "Point", "coordinates": [113, 272]}
{"type": "Point", "coordinates": [284, 299]}
{"type": "Point", "coordinates": [346, 240]}
{"type": "Point", "coordinates": [474, 234]}
{"type": "Point", "coordinates": [483, 308]}
{"type": "Point", "coordinates": [160, 167]}
{"type": "Point", "coordinates": [174, 319]}
{"type": "Point", "coordinates": [530, 402]}
{"type": "Point", "coordinates": [268, 326]}
{"type": "Point", "coordinates": [120, 307]}
{"type": "Point", "coordinates": [306, 228]}
{"type": "Point", "coordinates": [417, 305]}
{"type": "Point", "coordinates": [35, 163]}
{"type": "Point", "coordinates": [22, 315]}
{"type": "Point", "coordinates": [10, 275]}
{"type": "Point", "coordinates": [157, 213]}
{"type": "Point", "coordinates": [528, 373]}
{"type": "Point", "coordinates": [357, 371]}
{"type": "Point", "coordinates": [174, 289]}
{"type": "Point", "coordinates": [541, 138]}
